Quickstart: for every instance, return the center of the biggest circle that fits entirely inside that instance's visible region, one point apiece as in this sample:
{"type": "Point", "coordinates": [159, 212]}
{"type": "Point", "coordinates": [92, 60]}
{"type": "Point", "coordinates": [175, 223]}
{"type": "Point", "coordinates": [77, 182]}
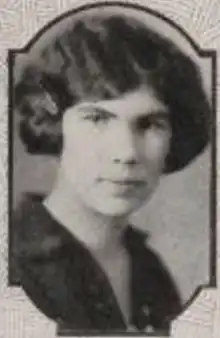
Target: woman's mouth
{"type": "Point", "coordinates": [125, 186]}
{"type": "Point", "coordinates": [127, 182]}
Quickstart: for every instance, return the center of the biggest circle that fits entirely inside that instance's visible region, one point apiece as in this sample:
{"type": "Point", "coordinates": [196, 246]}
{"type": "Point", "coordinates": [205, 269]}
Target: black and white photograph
{"type": "Point", "coordinates": [112, 171]}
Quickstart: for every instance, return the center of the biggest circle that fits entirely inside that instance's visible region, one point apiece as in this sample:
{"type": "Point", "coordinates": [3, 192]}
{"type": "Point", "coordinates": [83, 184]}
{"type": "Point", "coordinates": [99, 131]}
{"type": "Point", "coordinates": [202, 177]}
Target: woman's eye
{"type": "Point", "coordinates": [97, 118]}
{"type": "Point", "coordinates": [143, 124]}
{"type": "Point", "coordinates": [153, 123]}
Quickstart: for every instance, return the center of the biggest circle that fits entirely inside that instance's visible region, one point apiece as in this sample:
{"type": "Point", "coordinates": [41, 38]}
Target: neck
{"type": "Point", "coordinates": [100, 233]}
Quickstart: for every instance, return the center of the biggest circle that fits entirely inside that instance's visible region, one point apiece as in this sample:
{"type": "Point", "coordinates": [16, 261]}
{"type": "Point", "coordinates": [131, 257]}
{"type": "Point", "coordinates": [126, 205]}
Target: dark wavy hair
{"type": "Point", "coordinates": [101, 57]}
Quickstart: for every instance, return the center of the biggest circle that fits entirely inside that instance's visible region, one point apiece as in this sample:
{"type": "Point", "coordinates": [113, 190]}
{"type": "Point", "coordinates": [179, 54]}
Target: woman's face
{"type": "Point", "coordinates": [114, 150]}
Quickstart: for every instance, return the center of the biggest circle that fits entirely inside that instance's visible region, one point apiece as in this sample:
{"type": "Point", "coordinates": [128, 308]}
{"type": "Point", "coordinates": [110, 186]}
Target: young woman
{"type": "Point", "coordinates": [120, 106]}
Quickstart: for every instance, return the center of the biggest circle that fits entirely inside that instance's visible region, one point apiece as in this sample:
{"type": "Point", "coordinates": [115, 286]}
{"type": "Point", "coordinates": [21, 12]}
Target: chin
{"type": "Point", "coordinates": [117, 207]}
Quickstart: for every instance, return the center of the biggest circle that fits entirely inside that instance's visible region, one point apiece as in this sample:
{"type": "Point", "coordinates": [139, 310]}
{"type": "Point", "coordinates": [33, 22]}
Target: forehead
{"type": "Point", "coordinates": [142, 100]}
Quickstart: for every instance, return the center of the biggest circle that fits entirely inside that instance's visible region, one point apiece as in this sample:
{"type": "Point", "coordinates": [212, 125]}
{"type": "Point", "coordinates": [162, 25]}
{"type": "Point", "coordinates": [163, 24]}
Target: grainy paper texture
{"type": "Point", "coordinates": [19, 21]}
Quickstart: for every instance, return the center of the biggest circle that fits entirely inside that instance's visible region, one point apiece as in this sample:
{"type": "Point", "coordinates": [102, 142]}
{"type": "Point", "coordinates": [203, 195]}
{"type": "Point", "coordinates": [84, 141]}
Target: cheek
{"type": "Point", "coordinates": [156, 147]}
{"type": "Point", "coordinates": [81, 152]}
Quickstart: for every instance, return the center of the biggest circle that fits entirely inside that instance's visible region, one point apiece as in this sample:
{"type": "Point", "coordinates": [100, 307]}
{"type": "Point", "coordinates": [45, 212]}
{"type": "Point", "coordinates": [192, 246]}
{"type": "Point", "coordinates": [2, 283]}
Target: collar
{"type": "Point", "coordinates": [44, 245]}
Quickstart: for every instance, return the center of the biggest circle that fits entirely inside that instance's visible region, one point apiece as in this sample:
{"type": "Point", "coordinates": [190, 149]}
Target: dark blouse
{"type": "Point", "coordinates": [66, 283]}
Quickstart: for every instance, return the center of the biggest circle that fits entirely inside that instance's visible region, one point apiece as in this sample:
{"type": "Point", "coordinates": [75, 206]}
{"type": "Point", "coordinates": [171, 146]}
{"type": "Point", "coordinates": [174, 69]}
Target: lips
{"type": "Point", "coordinates": [124, 187]}
{"type": "Point", "coordinates": [127, 182]}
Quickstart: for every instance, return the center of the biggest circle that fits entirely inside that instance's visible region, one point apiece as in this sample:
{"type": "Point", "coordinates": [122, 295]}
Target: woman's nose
{"type": "Point", "coordinates": [125, 150]}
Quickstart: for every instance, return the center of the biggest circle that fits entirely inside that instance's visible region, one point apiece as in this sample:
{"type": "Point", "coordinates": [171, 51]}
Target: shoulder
{"type": "Point", "coordinates": [39, 261]}
{"type": "Point", "coordinates": [34, 229]}
{"type": "Point", "coordinates": [34, 236]}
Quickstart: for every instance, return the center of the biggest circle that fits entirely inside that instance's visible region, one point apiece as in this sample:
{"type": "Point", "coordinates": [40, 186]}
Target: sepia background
{"type": "Point", "coordinates": [177, 217]}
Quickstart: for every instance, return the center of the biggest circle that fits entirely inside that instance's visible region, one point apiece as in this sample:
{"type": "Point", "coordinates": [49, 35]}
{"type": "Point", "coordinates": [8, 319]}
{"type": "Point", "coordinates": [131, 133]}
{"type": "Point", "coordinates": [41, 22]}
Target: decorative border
{"type": "Point", "coordinates": [202, 52]}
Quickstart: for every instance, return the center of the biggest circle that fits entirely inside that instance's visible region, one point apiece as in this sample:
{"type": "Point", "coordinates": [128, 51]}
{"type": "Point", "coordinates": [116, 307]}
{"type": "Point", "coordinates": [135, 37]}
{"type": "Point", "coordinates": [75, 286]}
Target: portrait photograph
{"type": "Point", "coordinates": [112, 173]}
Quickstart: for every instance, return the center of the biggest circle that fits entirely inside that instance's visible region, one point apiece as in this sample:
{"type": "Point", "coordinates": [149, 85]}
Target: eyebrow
{"type": "Point", "coordinates": [157, 113]}
{"type": "Point", "coordinates": [97, 109]}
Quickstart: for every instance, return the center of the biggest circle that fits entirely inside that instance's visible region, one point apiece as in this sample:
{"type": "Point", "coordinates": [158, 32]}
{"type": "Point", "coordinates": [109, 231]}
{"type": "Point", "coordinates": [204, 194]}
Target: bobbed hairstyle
{"type": "Point", "coordinates": [103, 57]}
